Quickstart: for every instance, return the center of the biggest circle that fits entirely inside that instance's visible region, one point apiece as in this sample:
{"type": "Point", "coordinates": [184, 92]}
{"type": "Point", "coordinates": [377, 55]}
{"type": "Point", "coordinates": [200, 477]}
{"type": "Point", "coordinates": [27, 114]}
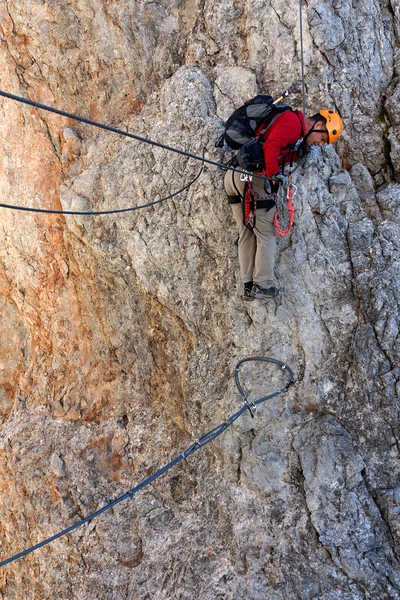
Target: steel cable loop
{"type": "Point", "coordinates": [199, 443]}
{"type": "Point", "coordinates": [126, 134]}
{"type": "Point", "coordinates": [251, 406]}
{"type": "Point", "coordinates": [105, 212]}
{"type": "Point", "coordinates": [303, 85]}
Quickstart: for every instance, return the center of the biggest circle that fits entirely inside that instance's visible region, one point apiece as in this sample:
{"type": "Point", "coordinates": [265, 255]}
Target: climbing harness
{"type": "Point", "coordinates": [198, 443]}
{"type": "Point", "coordinates": [249, 201]}
{"type": "Point", "coordinates": [249, 206]}
{"type": "Point", "coordinates": [291, 192]}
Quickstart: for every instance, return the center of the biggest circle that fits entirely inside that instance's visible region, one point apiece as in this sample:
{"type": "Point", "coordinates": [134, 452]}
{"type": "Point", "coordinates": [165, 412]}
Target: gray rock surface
{"type": "Point", "coordinates": [119, 334]}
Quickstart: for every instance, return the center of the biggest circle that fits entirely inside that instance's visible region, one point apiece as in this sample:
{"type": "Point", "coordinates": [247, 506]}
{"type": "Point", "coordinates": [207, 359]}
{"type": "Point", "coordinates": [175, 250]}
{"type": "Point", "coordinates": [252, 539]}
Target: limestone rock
{"type": "Point", "coordinates": [120, 333]}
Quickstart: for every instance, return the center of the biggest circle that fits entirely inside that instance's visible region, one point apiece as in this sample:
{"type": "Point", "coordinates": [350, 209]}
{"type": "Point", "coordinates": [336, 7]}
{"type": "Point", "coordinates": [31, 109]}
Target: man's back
{"type": "Point", "coordinates": [286, 129]}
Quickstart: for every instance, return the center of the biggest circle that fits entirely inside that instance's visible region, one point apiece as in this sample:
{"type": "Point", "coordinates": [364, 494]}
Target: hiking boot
{"type": "Point", "coordinates": [248, 295]}
{"type": "Point", "coordinates": [268, 292]}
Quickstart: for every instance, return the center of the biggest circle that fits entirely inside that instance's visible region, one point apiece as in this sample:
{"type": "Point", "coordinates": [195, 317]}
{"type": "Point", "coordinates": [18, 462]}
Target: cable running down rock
{"type": "Point", "coordinates": [205, 439]}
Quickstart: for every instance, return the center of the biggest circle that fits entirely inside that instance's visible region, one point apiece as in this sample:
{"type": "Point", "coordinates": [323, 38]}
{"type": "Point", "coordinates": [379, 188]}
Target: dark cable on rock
{"type": "Point", "coordinates": [198, 443]}
{"type": "Point", "coordinates": [121, 132]}
{"type": "Point", "coordinates": [102, 212]}
{"type": "Point", "coordinates": [303, 86]}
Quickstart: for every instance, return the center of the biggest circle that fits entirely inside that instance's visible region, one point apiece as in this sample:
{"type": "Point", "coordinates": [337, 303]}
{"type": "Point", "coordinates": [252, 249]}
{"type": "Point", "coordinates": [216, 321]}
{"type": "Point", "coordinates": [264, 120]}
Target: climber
{"type": "Point", "coordinates": [289, 135]}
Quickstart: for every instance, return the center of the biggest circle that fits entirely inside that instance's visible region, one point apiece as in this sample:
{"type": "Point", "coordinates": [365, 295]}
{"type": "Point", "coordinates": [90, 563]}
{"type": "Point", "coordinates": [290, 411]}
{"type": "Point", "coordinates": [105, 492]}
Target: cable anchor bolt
{"type": "Point", "coordinates": [250, 406]}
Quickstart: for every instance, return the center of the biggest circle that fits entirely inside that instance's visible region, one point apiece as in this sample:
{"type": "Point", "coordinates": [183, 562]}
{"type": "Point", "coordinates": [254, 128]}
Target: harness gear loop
{"type": "Point", "coordinates": [291, 192]}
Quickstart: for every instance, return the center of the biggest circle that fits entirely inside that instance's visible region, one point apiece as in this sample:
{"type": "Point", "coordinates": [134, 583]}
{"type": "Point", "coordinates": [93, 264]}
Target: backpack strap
{"type": "Point", "coordinates": [294, 146]}
{"type": "Point", "coordinates": [264, 129]}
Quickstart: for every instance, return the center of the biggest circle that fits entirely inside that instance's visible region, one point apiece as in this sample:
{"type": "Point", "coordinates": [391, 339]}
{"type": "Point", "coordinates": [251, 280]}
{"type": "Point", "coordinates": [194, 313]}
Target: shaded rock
{"type": "Point", "coordinates": [348, 522]}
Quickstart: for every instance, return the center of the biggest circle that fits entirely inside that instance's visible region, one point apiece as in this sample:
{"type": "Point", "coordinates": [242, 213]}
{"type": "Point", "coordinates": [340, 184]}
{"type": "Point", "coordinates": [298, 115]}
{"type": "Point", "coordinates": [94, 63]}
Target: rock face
{"type": "Point", "coordinates": [119, 334]}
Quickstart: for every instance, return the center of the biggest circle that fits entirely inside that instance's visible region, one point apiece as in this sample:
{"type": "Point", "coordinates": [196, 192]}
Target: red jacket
{"type": "Point", "coordinates": [285, 130]}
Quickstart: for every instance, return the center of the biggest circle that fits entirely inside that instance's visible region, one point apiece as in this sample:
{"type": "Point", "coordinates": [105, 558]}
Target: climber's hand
{"type": "Point", "coordinates": [282, 179]}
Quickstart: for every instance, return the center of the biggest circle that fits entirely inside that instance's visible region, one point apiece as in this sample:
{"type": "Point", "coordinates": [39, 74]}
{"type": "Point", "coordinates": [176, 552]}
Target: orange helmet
{"type": "Point", "coordinates": [334, 124]}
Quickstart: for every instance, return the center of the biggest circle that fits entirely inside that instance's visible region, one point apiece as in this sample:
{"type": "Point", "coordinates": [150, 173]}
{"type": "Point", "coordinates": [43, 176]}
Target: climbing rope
{"type": "Point", "coordinates": [119, 132]}
{"type": "Point", "coordinates": [303, 85]}
{"type": "Point", "coordinates": [291, 192]}
{"type": "Point", "coordinates": [103, 212]}
{"type": "Point", "coordinates": [208, 437]}
{"type": "Point", "coordinates": [141, 139]}
{"type": "Point", "coordinates": [292, 189]}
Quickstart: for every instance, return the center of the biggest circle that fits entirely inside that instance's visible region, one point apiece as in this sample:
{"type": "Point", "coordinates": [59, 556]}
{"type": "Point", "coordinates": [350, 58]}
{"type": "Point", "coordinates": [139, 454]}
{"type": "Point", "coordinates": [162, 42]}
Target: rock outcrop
{"type": "Point", "coordinates": [119, 334]}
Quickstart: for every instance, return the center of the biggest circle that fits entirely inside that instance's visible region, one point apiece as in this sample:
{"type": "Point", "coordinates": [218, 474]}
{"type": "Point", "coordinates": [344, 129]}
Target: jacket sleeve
{"type": "Point", "coordinates": [286, 130]}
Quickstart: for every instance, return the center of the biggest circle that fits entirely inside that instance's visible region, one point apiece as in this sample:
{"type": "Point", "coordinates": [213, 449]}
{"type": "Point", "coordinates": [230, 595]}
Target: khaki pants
{"type": "Point", "coordinates": [256, 247]}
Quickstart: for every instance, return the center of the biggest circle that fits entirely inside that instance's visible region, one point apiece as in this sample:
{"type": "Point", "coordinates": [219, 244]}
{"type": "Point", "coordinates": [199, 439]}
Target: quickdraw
{"type": "Point", "coordinates": [291, 192]}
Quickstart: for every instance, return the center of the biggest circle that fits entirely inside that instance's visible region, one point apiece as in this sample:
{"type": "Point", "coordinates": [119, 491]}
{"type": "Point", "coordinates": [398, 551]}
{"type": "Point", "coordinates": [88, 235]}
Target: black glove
{"type": "Point", "coordinates": [282, 179]}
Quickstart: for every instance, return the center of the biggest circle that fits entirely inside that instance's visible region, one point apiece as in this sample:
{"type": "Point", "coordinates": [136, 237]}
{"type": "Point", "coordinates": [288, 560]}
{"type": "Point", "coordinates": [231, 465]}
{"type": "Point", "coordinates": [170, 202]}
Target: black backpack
{"type": "Point", "coordinates": [241, 126]}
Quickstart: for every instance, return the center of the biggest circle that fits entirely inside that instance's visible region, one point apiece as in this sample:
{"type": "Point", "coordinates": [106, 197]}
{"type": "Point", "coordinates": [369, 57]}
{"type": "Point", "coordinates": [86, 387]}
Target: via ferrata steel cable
{"type": "Point", "coordinates": [102, 212]}
{"type": "Point", "coordinates": [303, 86]}
{"type": "Point", "coordinates": [198, 443]}
{"type": "Point", "coordinates": [120, 132]}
